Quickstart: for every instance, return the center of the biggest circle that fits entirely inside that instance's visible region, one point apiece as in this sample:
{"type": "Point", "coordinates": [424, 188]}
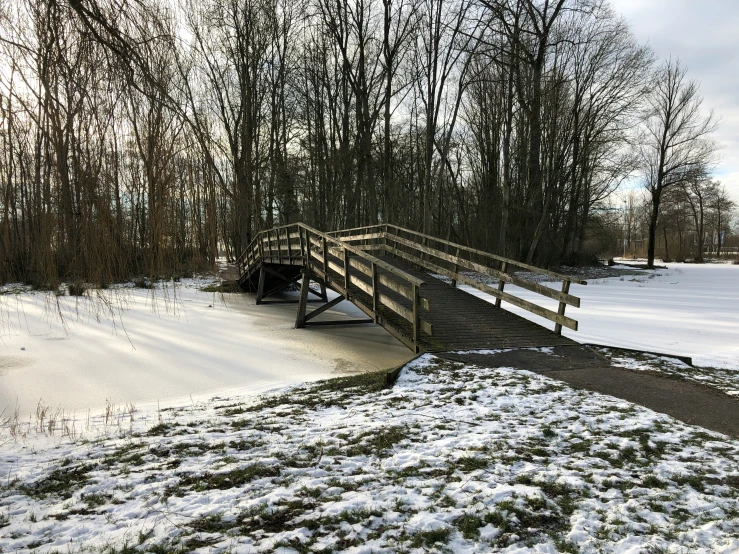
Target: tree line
{"type": "Point", "coordinates": [145, 137]}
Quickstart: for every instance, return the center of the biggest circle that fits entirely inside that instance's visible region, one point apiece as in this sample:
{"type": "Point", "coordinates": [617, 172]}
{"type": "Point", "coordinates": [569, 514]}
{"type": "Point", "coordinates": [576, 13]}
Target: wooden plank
{"type": "Point", "coordinates": [366, 236]}
{"type": "Point", "coordinates": [380, 263]}
{"type": "Point", "coordinates": [427, 327]}
{"type": "Point", "coordinates": [386, 281]}
{"type": "Point", "coordinates": [558, 276]}
{"type": "Point", "coordinates": [519, 302]}
{"type": "Point", "coordinates": [355, 229]}
{"type": "Point", "coordinates": [562, 307]}
{"type": "Point", "coordinates": [512, 279]}
{"type": "Point", "coordinates": [327, 306]}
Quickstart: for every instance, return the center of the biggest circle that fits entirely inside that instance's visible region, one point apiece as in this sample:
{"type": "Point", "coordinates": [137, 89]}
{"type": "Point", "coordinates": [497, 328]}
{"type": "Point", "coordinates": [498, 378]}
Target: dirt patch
{"type": "Point", "coordinates": [582, 367]}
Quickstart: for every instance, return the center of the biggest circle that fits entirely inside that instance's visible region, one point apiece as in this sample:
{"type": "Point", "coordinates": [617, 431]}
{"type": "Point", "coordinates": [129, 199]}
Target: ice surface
{"type": "Point", "coordinates": [169, 346]}
{"type": "Point", "coordinates": [687, 309]}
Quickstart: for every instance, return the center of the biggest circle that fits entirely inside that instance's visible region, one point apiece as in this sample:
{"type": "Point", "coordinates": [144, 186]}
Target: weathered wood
{"type": "Point", "coordinates": [416, 318]}
{"type": "Point", "coordinates": [501, 283]}
{"type": "Point", "coordinates": [474, 266]}
{"type": "Point", "coordinates": [562, 307]}
{"type": "Point", "coordinates": [388, 326]}
{"type": "Point", "coordinates": [326, 306]}
{"type": "Point", "coordinates": [375, 291]}
{"type": "Point", "coordinates": [260, 286]}
{"type": "Point", "coordinates": [456, 270]}
{"type": "Point", "coordinates": [341, 322]}
{"type": "Point", "coordinates": [391, 293]}
{"type": "Point", "coordinates": [558, 276]}
{"type": "Point", "coordinates": [387, 281]}
{"type": "Point", "coordinates": [519, 302]}
{"type": "Point", "coordinates": [365, 236]}
{"type": "Point", "coordinates": [347, 269]}
{"type": "Point", "coordinates": [303, 304]}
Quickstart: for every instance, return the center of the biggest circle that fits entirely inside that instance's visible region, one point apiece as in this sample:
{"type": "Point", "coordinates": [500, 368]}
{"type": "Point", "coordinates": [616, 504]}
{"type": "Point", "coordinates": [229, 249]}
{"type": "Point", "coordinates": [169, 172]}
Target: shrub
{"type": "Point", "coordinates": [581, 259]}
{"type": "Point", "coordinates": [76, 289]}
{"type": "Point", "coordinates": [143, 283]}
{"type": "Point", "coordinates": [46, 287]}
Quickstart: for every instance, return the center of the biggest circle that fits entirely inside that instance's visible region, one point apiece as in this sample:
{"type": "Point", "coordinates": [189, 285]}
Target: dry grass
{"type": "Point", "coordinates": [57, 422]}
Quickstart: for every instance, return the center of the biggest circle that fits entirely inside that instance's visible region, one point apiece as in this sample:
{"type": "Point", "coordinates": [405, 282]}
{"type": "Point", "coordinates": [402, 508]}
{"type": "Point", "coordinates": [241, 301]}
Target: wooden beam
{"type": "Point", "coordinates": [326, 306]}
{"type": "Point", "coordinates": [473, 266]}
{"type": "Point", "coordinates": [519, 302]}
{"type": "Point", "coordinates": [558, 276]}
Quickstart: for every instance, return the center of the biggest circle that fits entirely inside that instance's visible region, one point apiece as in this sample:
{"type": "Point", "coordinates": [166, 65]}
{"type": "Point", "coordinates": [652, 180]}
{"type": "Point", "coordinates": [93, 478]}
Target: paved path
{"type": "Point", "coordinates": [584, 368]}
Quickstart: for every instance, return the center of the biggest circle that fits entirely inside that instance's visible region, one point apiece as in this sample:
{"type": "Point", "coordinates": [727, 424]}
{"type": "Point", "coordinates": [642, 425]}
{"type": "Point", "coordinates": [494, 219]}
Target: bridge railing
{"type": "Point", "coordinates": [452, 260]}
{"type": "Point", "coordinates": [382, 291]}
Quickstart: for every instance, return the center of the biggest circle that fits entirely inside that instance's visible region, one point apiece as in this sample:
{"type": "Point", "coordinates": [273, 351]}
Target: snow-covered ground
{"type": "Point", "coordinates": [136, 346]}
{"type": "Point", "coordinates": [454, 458]}
{"type": "Point", "coordinates": [687, 309]}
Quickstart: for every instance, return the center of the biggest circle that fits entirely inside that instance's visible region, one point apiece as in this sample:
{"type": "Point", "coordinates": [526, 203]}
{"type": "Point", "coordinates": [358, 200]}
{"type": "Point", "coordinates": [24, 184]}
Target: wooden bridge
{"type": "Point", "coordinates": [407, 282]}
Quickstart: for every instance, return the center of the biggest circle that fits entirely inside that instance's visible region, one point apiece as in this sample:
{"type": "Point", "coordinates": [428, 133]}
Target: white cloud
{"type": "Point", "coordinates": [704, 36]}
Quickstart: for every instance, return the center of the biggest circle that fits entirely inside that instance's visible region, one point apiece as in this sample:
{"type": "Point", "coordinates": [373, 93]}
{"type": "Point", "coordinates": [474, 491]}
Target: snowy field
{"type": "Point", "coordinates": [452, 459]}
{"type": "Point", "coordinates": [165, 445]}
{"type": "Point", "coordinates": [687, 309]}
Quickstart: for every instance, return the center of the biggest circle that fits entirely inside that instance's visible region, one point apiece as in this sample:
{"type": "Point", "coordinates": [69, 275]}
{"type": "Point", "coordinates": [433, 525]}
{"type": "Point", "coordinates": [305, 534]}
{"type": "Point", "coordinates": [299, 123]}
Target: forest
{"type": "Point", "coordinates": [149, 137]}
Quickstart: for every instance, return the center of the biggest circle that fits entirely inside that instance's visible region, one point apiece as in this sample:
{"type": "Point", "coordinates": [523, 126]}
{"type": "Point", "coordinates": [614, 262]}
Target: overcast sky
{"type": "Point", "coordinates": [704, 34]}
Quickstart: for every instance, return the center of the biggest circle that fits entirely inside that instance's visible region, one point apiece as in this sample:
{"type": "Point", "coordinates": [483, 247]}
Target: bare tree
{"type": "Point", "coordinates": [675, 145]}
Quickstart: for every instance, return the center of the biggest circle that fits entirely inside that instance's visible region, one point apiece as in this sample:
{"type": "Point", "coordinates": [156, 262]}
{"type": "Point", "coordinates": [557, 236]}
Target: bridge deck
{"type": "Point", "coordinates": [463, 321]}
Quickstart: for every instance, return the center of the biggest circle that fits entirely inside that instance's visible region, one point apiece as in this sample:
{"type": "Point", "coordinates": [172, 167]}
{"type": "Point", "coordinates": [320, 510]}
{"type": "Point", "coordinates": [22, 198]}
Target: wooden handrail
{"type": "Point", "coordinates": [421, 244]}
{"type": "Point", "coordinates": [509, 261]}
{"type": "Point", "coordinates": [327, 256]}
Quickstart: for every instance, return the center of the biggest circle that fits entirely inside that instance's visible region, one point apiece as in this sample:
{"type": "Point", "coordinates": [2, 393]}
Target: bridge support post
{"type": "Point", "coordinates": [303, 301]}
{"type": "Point", "coordinates": [260, 286]}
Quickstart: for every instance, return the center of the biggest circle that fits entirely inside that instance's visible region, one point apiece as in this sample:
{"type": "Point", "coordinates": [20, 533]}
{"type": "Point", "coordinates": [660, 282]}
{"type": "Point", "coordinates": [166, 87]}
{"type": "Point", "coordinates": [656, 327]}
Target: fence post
{"type": "Point", "coordinates": [501, 283]}
{"type": "Point", "coordinates": [562, 306]}
{"type": "Point", "coordinates": [456, 269]}
{"type": "Point", "coordinates": [325, 260]}
{"type": "Point", "coordinates": [416, 316]}
{"type": "Point", "coordinates": [346, 271]}
{"type": "Point", "coordinates": [306, 246]}
{"type": "Point", "coordinates": [375, 291]}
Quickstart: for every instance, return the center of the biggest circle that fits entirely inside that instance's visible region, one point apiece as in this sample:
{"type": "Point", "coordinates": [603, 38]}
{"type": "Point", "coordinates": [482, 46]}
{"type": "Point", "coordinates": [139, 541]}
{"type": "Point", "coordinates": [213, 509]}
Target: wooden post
{"type": "Point", "coordinates": [501, 284]}
{"type": "Point", "coordinates": [306, 247]}
{"type": "Point", "coordinates": [346, 272]}
{"type": "Point", "coordinates": [456, 269]}
{"type": "Point", "coordinates": [375, 292]}
{"type": "Point", "coordinates": [303, 302]}
{"type": "Point", "coordinates": [289, 248]}
{"type": "Point", "coordinates": [325, 259]}
{"type": "Point", "coordinates": [260, 286]}
{"type": "Point", "coordinates": [562, 306]}
{"type": "Point", "coordinates": [416, 317]}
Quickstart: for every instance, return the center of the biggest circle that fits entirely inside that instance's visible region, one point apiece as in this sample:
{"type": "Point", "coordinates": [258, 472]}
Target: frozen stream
{"type": "Point", "coordinates": [164, 349]}
{"type": "Point", "coordinates": [687, 309]}
{"type": "Point", "coordinates": [170, 347]}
